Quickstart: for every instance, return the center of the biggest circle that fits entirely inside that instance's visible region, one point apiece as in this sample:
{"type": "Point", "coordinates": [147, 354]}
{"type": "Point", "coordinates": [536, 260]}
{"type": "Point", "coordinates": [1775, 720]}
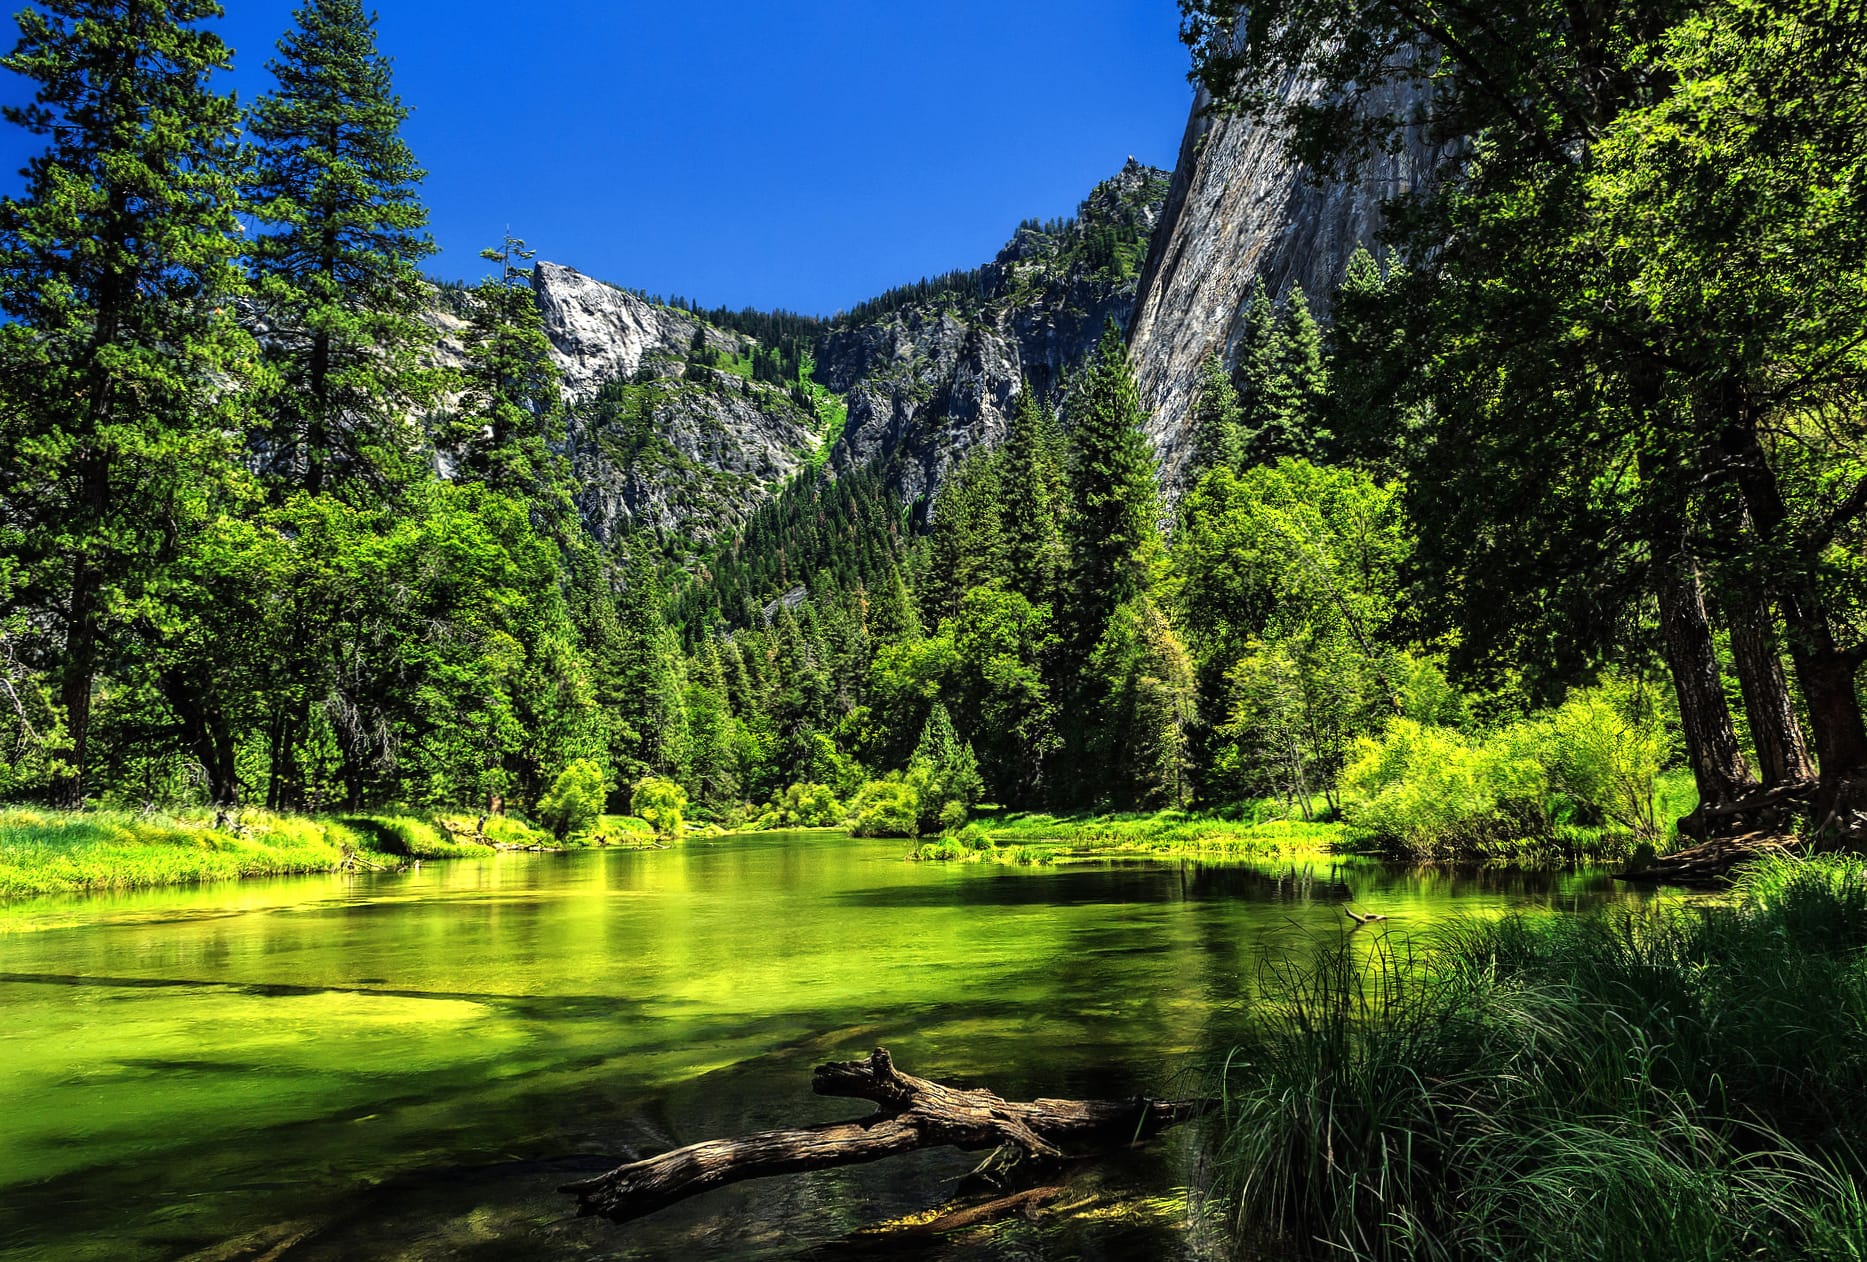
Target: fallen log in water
{"type": "Point", "coordinates": [911, 1113]}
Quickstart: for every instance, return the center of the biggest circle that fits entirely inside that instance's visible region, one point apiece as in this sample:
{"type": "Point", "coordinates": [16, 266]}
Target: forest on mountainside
{"type": "Point", "coordinates": [1563, 499]}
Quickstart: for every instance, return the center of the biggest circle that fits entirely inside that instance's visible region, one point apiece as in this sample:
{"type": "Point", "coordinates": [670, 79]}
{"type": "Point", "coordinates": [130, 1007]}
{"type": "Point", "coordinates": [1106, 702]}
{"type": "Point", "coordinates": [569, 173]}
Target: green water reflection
{"type": "Point", "coordinates": [407, 1065]}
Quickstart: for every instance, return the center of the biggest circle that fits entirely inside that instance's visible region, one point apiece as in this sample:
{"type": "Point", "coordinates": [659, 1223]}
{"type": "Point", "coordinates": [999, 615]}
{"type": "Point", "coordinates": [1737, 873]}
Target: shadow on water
{"type": "Point", "coordinates": [187, 1081]}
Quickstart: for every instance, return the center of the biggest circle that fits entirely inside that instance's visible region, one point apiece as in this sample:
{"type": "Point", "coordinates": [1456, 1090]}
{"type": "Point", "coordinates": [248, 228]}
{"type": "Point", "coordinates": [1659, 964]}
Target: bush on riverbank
{"type": "Point", "coordinates": [404, 836]}
{"type": "Point", "coordinates": [1583, 780]}
{"type": "Point", "coordinates": [47, 852]}
{"type": "Point", "coordinates": [1252, 834]}
{"type": "Point", "coordinates": [1688, 1082]}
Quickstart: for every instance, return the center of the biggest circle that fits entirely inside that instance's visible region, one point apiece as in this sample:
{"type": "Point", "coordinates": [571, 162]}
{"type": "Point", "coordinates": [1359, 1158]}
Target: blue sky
{"type": "Point", "coordinates": [769, 153]}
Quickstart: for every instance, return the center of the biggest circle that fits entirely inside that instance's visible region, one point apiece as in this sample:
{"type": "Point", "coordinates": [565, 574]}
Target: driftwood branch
{"type": "Point", "coordinates": [911, 1113]}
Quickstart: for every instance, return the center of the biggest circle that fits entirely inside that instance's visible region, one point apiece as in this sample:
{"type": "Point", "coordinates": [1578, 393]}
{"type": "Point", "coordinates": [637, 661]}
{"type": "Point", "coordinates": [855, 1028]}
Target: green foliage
{"type": "Point", "coordinates": [1216, 422]}
{"type": "Point", "coordinates": [1615, 1087]}
{"type": "Point", "coordinates": [663, 804]}
{"type": "Point", "coordinates": [1003, 645]}
{"type": "Point", "coordinates": [886, 808]}
{"type": "Point", "coordinates": [944, 774]}
{"type": "Point", "coordinates": [118, 434]}
{"type": "Point", "coordinates": [802, 806]}
{"type": "Point", "coordinates": [336, 194]}
{"type": "Point", "coordinates": [575, 800]}
{"type": "Point", "coordinates": [510, 411]}
{"type": "Point", "coordinates": [1586, 772]}
{"type": "Point", "coordinates": [1115, 525]}
{"type": "Point", "coordinates": [1286, 579]}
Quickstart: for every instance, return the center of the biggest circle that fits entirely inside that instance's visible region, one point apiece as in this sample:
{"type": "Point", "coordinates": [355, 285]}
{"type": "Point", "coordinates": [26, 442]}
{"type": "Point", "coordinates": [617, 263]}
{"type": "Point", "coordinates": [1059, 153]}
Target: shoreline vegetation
{"type": "Point", "coordinates": [47, 852]}
{"type": "Point", "coordinates": [68, 852]}
{"type": "Point", "coordinates": [1608, 1086]}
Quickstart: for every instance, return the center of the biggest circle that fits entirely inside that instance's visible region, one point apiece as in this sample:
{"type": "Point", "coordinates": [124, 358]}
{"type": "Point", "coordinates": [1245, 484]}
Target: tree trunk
{"type": "Point", "coordinates": [208, 736]}
{"type": "Point", "coordinates": [1825, 672]}
{"type": "Point", "coordinates": [1711, 740]}
{"type": "Point", "coordinates": [911, 1113]}
{"type": "Point", "coordinates": [78, 678]}
{"type": "Point", "coordinates": [74, 689]}
{"type": "Point", "coordinates": [1782, 754]}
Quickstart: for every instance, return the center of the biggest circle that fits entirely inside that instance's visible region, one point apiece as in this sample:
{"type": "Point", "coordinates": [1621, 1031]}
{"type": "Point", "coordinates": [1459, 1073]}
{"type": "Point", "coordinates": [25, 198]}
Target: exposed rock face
{"type": "Point", "coordinates": [936, 378]}
{"type": "Point", "coordinates": [1241, 209]}
{"type": "Point", "coordinates": [688, 455]}
{"type": "Point", "coordinates": [687, 459]}
{"type": "Point", "coordinates": [600, 332]}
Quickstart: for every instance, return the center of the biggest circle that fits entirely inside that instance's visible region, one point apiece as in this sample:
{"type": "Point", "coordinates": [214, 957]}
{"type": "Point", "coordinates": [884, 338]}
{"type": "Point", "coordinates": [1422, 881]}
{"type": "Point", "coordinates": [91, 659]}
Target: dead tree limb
{"type": "Point", "coordinates": [911, 1113]}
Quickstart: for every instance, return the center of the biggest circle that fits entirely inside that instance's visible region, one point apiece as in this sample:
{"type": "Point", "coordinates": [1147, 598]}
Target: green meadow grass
{"type": "Point", "coordinates": [53, 852]}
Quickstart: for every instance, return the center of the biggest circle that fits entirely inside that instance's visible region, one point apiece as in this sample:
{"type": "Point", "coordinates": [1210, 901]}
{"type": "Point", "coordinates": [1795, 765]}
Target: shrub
{"type": "Point", "coordinates": [1593, 761]}
{"type": "Point", "coordinates": [802, 806]}
{"type": "Point", "coordinates": [663, 804]}
{"type": "Point", "coordinates": [973, 837]}
{"type": "Point", "coordinates": [576, 799]}
{"type": "Point", "coordinates": [886, 808]}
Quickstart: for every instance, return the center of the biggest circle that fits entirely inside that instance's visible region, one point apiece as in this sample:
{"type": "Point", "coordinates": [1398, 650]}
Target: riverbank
{"type": "Point", "coordinates": [75, 852]}
{"type": "Point", "coordinates": [55, 852]}
{"type": "Point", "coordinates": [1164, 834]}
{"type": "Point", "coordinates": [1679, 1082]}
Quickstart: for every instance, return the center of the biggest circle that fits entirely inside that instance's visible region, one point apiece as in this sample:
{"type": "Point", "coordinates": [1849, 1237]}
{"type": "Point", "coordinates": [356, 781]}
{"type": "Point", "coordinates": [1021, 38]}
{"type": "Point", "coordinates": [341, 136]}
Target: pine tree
{"type": "Point", "coordinates": [1217, 442]}
{"type": "Point", "coordinates": [892, 616]}
{"type": "Point", "coordinates": [337, 193]}
{"type": "Point", "coordinates": [1302, 383]}
{"type": "Point", "coordinates": [1115, 528]}
{"type": "Point", "coordinates": [511, 411]}
{"type": "Point", "coordinates": [641, 685]}
{"type": "Point", "coordinates": [1033, 529]}
{"type": "Point", "coordinates": [1256, 374]}
{"type": "Point", "coordinates": [120, 348]}
{"type": "Point", "coordinates": [968, 543]}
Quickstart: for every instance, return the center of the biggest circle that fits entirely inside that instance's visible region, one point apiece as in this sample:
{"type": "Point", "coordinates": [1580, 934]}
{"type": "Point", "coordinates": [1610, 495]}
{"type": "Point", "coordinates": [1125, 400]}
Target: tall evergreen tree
{"type": "Point", "coordinates": [1217, 441]}
{"type": "Point", "coordinates": [641, 684]}
{"type": "Point", "coordinates": [1302, 382]}
{"type": "Point", "coordinates": [115, 270]}
{"type": "Point", "coordinates": [1115, 526]}
{"type": "Point", "coordinates": [969, 544]}
{"type": "Point", "coordinates": [1371, 406]}
{"type": "Point", "coordinates": [336, 192]}
{"type": "Point", "coordinates": [1031, 508]}
{"type": "Point", "coordinates": [510, 412]}
{"type": "Point", "coordinates": [1255, 375]}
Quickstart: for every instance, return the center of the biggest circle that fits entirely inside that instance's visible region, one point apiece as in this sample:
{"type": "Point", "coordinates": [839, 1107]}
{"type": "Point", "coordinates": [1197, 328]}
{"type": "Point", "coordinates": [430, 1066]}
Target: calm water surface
{"type": "Point", "coordinates": [408, 1065]}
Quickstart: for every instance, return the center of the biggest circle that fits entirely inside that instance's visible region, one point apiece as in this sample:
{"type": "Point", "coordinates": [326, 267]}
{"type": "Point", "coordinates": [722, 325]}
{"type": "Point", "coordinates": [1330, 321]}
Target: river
{"type": "Point", "coordinates": [407, 1065]}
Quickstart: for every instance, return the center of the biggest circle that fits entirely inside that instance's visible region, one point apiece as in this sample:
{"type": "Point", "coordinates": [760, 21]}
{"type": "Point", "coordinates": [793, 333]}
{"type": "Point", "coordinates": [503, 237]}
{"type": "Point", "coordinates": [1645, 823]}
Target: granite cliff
{"type": "Point", "coordinates": [1241, 209]}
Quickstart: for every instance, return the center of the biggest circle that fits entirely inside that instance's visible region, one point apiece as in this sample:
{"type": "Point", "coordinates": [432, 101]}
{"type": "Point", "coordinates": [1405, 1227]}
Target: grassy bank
{"type": "Point", "coordinates": [47, 852]}
{"type": "Point", "coordinates": [1165, 833]}
{"type": "Point", "coordinates": [1685, 1082]}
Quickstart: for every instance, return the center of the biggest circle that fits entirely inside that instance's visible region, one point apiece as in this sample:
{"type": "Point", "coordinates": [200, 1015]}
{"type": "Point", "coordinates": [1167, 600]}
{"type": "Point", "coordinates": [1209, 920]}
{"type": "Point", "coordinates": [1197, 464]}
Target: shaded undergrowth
{"type": "Point", "coordinates": [1686, 1081]}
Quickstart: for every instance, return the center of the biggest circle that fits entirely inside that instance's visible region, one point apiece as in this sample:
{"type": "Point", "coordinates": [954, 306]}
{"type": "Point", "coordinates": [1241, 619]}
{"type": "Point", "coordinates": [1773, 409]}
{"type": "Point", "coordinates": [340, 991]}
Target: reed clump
{"type": "Point", "coordinates": [1678, 1082]}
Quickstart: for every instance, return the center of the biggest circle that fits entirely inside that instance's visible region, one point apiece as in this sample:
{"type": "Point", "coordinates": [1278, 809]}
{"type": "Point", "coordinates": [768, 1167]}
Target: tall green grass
{"type": "Point", "coordinates": [1688, 1082]}
{"type": "Point", "coordinates": [49, 852]}
{"type": "Point", "coordinates": [1249, 833]}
